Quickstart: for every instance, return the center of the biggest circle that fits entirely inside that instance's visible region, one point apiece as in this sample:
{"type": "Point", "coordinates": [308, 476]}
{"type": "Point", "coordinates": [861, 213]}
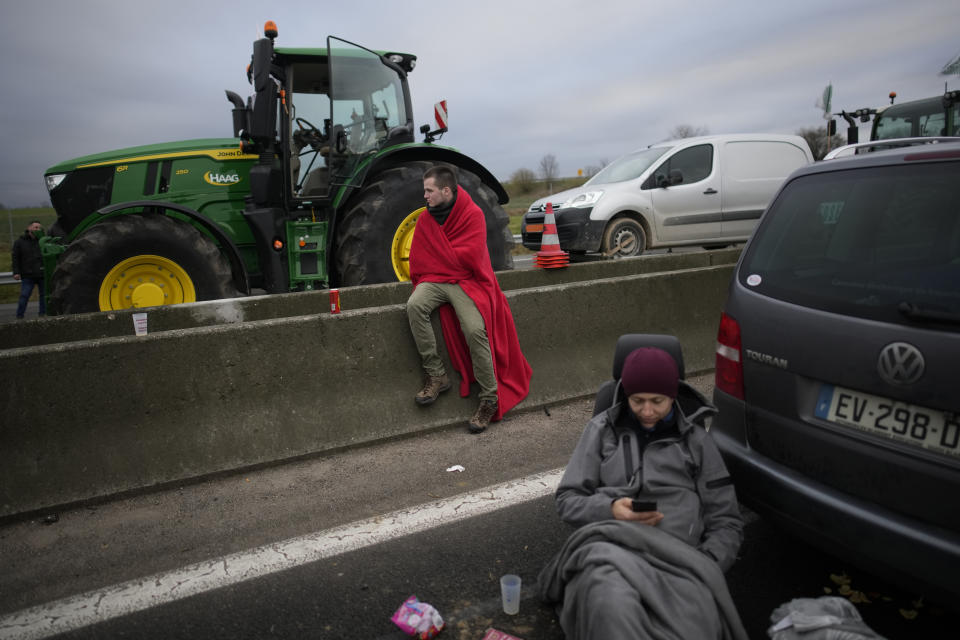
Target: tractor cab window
{"type": "Point", "coordinates": [368, 102]}
{"type": "Point", "coordinates": [342, 109]}
{"type": "Point", "coordinates": [893, 127]}
{"type": "Point", "coordinates": [310, 125]}
{"type": "Point", "coordinates": [912, 125]}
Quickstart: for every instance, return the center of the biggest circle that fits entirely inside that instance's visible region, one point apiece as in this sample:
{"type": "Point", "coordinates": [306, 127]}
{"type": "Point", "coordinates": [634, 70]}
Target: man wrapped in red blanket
{"type": "Point", "coordinates": [450, 269]}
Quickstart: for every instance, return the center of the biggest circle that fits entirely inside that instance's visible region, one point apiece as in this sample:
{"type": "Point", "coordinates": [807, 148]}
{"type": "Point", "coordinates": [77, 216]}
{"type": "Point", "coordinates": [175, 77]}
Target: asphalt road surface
{"type": "Point", "coordinates": [277, 552]}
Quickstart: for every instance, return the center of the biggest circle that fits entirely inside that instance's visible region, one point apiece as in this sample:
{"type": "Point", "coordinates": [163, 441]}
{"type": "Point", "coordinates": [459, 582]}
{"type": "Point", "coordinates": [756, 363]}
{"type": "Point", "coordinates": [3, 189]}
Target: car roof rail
{"type": "Point", "coordinates": [892, 143]}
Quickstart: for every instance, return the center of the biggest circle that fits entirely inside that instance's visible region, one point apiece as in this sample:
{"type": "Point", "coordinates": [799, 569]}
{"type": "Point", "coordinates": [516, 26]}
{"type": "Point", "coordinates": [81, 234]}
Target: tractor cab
{"type": "Point", "coordinates": [929, 117]}
{"type": "Point", "coordinates": [360, 103]}
{"type": "Point", "coordinates": [337, 107]}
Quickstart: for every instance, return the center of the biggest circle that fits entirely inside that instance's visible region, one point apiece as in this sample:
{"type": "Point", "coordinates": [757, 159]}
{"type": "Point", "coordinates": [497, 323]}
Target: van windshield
{"type": "Point", "coordinates": [881, 243]}
{"type": "Point", "coordinates": [627, 167]}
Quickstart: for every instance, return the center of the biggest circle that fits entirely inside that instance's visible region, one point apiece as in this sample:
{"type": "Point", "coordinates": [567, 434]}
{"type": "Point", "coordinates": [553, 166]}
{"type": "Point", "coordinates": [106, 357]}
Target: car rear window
{"type": "Point", "coordinates": [880, 243]}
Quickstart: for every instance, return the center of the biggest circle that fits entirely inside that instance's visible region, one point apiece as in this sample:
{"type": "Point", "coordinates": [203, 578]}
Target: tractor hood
{"type": "Point", "coordinates": [214, 148]}
{"type": "Point", "coordinates": [201, 171]}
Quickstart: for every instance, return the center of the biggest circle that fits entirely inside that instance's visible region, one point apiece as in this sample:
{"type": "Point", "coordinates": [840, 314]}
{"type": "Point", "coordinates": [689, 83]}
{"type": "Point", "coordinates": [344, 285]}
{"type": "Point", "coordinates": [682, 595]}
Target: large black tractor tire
{"type": "Point", "coordinates": [170, 260]}
{"type": "Point", "coordinates": [366, 251]}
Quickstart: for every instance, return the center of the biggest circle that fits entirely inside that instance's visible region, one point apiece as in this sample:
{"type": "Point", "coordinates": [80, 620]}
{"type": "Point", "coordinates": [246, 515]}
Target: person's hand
{"type": "Point", "coordinates": [622, 511]}
{"type": "Point", "coordinates": [16, 276]}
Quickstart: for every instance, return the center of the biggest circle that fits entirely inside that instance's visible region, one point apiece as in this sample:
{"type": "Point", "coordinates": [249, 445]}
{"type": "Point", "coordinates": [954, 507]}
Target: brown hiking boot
{"type": "Point", "coordinates": [433, 386]}
{"type": "Point", "coordinates": [481, 419]}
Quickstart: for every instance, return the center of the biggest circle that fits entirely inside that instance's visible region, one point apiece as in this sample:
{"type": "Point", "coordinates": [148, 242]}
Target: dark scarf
{"type": "Point", "coordinates": [665, 428]}
{"type": "Point", "coordinates": [440, 213]}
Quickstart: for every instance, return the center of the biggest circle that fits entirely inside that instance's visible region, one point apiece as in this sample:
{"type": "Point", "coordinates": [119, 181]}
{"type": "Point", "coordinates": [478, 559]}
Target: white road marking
{"type": "Point", "coordinates": [137, 595]}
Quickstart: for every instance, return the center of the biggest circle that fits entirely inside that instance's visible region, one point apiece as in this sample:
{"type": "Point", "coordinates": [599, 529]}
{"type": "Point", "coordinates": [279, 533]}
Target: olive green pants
{"type": "Point", "coordinates": [426, 298]}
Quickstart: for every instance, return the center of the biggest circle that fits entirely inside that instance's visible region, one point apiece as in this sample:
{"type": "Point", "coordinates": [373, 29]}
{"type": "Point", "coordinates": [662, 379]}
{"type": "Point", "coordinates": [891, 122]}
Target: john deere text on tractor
{"type": "Point", "coordinates": [284, 205]}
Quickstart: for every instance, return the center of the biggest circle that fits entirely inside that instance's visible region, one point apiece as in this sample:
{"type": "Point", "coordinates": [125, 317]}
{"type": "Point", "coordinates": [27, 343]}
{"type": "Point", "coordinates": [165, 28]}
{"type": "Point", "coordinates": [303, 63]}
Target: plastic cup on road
{"type": "Point", "coordinates": [510, 593]}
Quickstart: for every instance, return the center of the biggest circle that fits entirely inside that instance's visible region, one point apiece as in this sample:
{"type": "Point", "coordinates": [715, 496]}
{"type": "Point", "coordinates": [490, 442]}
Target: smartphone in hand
{"type": "Point", "coordinates": [643, 505]}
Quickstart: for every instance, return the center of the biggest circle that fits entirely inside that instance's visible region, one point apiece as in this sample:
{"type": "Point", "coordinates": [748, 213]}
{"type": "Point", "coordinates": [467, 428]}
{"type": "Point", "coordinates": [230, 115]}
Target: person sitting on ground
{"type": "Point", "coordinates": [451, 270]}
{"type": "Point", "coordinates": [656, 571]}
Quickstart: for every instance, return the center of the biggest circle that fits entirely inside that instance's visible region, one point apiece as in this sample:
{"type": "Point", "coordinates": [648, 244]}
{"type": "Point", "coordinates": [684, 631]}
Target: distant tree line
{"type": "Point", "coordinates": [524, 180]}
{"type": "Point", "coordinates": [682, 131]}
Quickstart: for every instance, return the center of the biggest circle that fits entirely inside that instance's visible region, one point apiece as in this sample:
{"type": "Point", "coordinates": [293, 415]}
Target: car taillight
{"type": "Point", "coordinates": [729, 367]}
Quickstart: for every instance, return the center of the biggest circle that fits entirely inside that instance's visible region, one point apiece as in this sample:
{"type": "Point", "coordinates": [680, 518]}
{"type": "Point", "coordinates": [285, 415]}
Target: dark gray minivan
{"type": "Point", "coordinates": [838, 364]}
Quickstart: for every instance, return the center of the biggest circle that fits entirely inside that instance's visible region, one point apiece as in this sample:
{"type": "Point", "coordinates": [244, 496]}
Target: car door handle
{"type": "Point", "coordinates": [710, 191]}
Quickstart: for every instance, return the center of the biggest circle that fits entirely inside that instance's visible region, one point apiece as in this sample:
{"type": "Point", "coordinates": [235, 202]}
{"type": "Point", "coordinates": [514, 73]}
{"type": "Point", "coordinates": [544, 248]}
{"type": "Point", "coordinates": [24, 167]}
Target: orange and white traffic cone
{"type": "Point", "coordinates": [550, 256]}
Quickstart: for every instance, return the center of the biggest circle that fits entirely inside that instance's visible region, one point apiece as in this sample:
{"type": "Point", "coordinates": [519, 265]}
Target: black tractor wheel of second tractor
{"type": "Point", "coordinates": [366, 231]}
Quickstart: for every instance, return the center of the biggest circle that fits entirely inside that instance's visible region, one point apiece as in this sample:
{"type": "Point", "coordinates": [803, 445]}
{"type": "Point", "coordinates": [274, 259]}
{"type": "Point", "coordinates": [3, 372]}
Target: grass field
{"type": "Point", "coordinates": [521, 201]}
{"type": "Point", "coordinates": [14, 221]}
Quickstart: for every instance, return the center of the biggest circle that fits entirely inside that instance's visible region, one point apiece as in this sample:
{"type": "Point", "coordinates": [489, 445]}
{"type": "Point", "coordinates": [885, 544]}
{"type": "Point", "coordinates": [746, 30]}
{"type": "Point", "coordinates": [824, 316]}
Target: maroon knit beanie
{"type": "Point", "coordinates": [650, 370]}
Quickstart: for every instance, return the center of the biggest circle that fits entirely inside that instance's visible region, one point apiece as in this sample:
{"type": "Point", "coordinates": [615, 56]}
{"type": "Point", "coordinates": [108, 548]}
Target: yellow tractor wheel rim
{"type": "Point", "coordinates": [146, 281]}
{"type": "Point", "coordinates": [400, 248]}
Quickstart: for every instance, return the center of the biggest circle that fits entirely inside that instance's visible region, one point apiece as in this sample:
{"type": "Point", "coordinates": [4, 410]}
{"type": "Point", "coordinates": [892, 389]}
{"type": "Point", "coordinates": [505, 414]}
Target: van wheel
{"type": "Point", "coordinates": [624, 238]}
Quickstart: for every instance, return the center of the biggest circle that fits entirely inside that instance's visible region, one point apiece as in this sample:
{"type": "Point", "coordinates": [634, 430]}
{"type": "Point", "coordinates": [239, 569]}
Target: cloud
{"type": "Point", "coordinates": [582, 81]}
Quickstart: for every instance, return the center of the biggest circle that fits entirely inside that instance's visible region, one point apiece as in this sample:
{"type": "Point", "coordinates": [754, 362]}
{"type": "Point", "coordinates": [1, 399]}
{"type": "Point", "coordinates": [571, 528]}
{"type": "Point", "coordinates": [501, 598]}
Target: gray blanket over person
{"type": "Point", "coordinates": [635, 571]}
{"type": "Point", "coordinates": [619, 580]}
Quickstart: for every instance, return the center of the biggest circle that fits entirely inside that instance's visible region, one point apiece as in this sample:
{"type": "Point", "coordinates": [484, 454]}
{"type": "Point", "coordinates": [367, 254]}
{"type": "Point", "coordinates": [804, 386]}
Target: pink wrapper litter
{"type": "Point", "coordinates": [418, 619]}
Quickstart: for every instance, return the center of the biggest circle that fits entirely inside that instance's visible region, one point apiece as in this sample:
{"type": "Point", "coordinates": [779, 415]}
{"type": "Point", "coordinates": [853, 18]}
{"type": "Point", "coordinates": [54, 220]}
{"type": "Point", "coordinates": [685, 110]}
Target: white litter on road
{"type": "Point", "coordinates": [99, 605]}
{"type": "Point", "coordinates": [458, 468]}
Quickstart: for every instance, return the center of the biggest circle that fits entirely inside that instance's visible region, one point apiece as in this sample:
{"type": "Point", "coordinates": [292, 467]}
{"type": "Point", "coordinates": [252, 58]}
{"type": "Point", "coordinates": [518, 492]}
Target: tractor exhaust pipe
{"type": "Point", "coordinates": [240, 112]}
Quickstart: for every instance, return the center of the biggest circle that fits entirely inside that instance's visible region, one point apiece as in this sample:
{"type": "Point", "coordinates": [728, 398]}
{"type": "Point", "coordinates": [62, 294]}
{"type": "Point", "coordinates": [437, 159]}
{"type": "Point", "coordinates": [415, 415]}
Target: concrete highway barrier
{"type": "Point", "coordinates": [91, 410]}
{"type": "Point", "coordinates": [120, 323]}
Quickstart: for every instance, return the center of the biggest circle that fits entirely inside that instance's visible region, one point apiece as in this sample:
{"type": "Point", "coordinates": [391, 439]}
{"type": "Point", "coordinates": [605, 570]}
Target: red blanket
{"type": "Point", "coordinates": [457, 253]}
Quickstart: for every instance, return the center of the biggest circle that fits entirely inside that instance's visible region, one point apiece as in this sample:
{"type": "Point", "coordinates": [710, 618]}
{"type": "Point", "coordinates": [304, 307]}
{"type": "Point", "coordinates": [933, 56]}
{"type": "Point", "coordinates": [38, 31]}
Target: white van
{"type": "Point", "coordinates": [708, 190]}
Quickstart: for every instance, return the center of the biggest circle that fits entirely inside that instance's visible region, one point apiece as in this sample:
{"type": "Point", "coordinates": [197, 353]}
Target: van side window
{"type": "Point", "coordinates": [689, 166]}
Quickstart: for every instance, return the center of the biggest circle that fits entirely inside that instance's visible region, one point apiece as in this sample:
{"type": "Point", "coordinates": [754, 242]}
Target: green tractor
{"type": "Point", "coordinates": [319, 187]}
{"type": "Point", "coordinates": [937, 116]}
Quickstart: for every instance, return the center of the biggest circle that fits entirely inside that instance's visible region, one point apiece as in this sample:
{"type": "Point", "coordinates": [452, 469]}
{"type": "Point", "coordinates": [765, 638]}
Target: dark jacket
{"type": "Point", "coordinates": [684, 473]}
{"type": "Point", "coordinates": [26, 257]}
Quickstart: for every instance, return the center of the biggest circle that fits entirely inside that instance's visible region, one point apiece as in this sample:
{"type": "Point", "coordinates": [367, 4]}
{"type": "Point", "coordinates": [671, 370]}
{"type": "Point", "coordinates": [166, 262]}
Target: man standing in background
{"type": "Point", "coordinates": [27, 267]}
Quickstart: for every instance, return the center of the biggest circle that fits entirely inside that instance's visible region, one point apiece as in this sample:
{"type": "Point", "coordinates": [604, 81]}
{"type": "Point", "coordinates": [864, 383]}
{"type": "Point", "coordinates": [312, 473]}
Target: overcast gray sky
{"type": "Point", "coordinates": [582, 80]}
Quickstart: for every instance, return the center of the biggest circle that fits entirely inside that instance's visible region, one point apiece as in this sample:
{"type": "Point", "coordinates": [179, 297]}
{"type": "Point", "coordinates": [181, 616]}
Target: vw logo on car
{"type": "Point", "coordinates": [900, 363]}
